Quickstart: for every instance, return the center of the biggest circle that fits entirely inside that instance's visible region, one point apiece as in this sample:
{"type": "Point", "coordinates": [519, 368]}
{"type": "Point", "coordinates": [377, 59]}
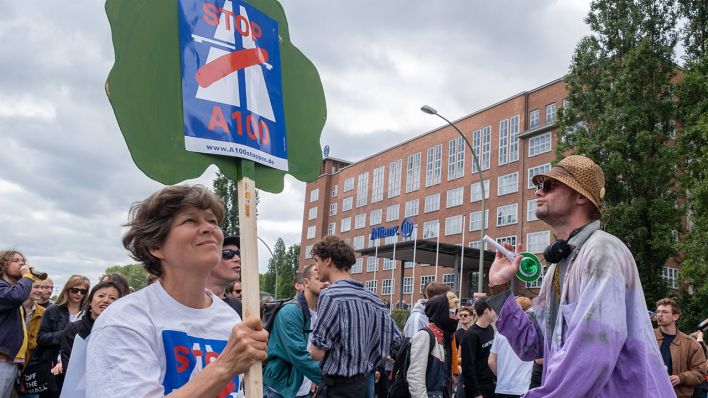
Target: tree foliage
{"type": "Point", "coordinates": [621, 114]}
{"type": "Point", "coordinates": [134, 273]}
{"type": "Point", "coordinates": [693, 139]}
{"type": "Point", "coordinates": [281, 266]}
{"type": "Point", "coordinates": [226, 189]}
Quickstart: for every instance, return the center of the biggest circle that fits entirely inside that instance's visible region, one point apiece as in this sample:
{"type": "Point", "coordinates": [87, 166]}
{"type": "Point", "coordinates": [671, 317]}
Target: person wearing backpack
{"type": "Point", "coordinates": [290, 371]}
{"type": "Point", "coordinates": [429, 372]}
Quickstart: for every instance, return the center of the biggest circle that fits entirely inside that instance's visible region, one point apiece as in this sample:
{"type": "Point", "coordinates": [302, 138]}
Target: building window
{"type": "Point", "coordinates": [390, 240]}
{"type": "Point", "coordinates": [358, 242]}
{"type": "Point", "coordinates": [413, 173]}
{"type": "Point", "coordinates": [425, 279]}
{"type": "Point", "coordinates": [453, 225]}
{"type": "Point", "coordinates": [333, 209]}
{"type": "Point", "coordinates": [408, 264]}
{"type": "Point", "coordinates": [514, 138]}
{"type": "Point", "coordinates": [477, 191]}
{"type": "Point", "coordinates": [475, 245]}
{"type": "Point", "coordinates": [412, 208]}
{"type": "Point", "coordinates": [533, 119]}
{"type": "Point", "coordinates": [433, 166]}
{"type": "Point", "coordinates": [531, 210]}
{"type": "Point", "coordinates": [347, 203]}
{"type": "Point", "coordinates": [334, 190]}
{"type": "Point", "coordinates": [538, 282]}
{"type": "Point", "coordinates": [308, 251]}
{"type": "Point", "coordinates": [332, 228]}
{"type": "Point", "coordinates": [670, 276]}
{"type": "Point", "coordinates": [371, 286]}
{"type": "Point", "coordinates": [386, 287]}
{"type": "Point", "coordinates": [536, 242]}
{"type": "Point", "coordinates": [550, 113]}
{"type": "Point", "coordinates": [392, 212]}
{"type": "Point", "coordinates": [374, 242]}
{"type": "Point", "coordinates": [431, 229]}
{"type": "Point", "coordinates": [360, 221]}
{"type": "Point", "coordinates": [356, 268]}
{"type": "Point", "coordinates": [314, 194]}
{"type": "Point", "coordinates": [375, 217]}
{"type": "Point", "coordinates": [476, 220]}
{"type": "Point", "coordinates": [503, 142]}
{"type": "Point", "coordinates": [456, 159]}
{"type": "Point", "coordinates": [349, 184]}
{"type": "Point", "coordinates": [540, 144]}
{"type": "Point", "coordinates": [388, 264]}
{"type": "Point", "coordinates": [377, 185]}
{"type": "Point", "coordinates": [432, 203]}
{"type": "Point", "coordinates": [394, 178]}
{"type": "Point", "coordinates": [454, 197]}
{"type": "Point", "coordinates": [506, 215]}
{"type": "Point", "coordinates": [312, 213]}
{"type": "Point", "coordinates": [508, 184]}
{"type": "Point", "coordinates": [372, 264]}
{"type": "Point", "coordinates": [507, 239]}
{"type": "Point", "coordinates": [407, 284]}
{"type": "Point", "coordinates": [346, 224]}
{"type": "Point", "coordinates": [362, 189]}
{"type": "Point", "coordinates": [482, 142]}
{"type": "Point", "coordinates": [311, 230]}
{"type": "Point", "coordinates": [449, 279]}
{"type": "Point", "coordinates": [542, 169]}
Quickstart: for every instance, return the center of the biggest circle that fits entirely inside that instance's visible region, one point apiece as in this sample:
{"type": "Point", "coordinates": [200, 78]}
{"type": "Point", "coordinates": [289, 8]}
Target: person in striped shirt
{"type": "Point", "coordinates": [354, 330]}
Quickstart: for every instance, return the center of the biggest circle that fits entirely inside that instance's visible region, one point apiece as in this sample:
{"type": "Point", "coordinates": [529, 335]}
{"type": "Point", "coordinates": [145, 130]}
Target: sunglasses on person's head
{"type": "Point", "coordinates": [228, 254]}
{"type": "Point", "coordinates": [77, 290]}
{"type": "Point", "coordinates": [547, 185]}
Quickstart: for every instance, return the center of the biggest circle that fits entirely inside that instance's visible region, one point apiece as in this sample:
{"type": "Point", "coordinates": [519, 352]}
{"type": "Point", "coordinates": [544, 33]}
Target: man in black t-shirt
{"type": "Point", "coordinates": [478, 379]}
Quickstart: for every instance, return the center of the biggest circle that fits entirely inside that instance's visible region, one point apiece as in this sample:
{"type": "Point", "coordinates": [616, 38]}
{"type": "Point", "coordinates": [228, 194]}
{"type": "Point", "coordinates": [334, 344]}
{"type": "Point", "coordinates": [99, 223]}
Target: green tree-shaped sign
{"type": "Point", "coordinates": [145, 91]}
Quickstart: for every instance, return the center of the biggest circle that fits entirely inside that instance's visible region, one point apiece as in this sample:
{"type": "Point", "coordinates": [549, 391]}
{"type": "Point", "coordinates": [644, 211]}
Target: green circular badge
{"type": "Point", "coordinates": [530, 268]}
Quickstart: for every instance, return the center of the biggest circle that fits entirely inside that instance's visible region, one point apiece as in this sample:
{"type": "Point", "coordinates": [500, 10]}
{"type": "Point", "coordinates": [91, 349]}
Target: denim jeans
{"type": "Point", "coordinates": [8, 375]}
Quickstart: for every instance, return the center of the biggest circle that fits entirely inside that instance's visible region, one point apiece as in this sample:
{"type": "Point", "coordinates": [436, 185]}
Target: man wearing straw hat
{"type": "Point", "coordinates": [589, 321]}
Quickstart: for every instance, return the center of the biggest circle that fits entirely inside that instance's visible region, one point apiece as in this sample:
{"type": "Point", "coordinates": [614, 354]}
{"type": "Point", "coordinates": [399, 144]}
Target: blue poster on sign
{"type": "Point", "coordinates": [232, 92]}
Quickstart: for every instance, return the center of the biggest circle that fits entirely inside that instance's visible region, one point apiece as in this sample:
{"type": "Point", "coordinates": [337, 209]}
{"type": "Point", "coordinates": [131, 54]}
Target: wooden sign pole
{"type": "Point", "coordinates": [249, 273]}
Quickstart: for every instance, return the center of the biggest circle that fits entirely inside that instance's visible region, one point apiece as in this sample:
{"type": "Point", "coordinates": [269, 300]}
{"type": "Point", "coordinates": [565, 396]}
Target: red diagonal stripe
{"type": "Point", "coordinates": [229, 63]}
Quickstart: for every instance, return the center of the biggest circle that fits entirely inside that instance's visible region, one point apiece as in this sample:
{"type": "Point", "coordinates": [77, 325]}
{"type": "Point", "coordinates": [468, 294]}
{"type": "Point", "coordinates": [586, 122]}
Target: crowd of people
{"type": "Point", "coordinates": [587, 333]}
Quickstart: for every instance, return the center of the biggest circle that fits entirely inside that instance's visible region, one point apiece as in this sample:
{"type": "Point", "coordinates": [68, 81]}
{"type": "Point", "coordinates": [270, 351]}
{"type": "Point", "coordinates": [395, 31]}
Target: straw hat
{"type": "Point", "coordinates": [579, 173]}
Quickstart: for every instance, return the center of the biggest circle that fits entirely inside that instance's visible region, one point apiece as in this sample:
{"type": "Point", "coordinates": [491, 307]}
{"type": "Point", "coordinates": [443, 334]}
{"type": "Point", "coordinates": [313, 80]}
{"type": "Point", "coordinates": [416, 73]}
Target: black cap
{"type": "Point", "coordinates": [232, 240]}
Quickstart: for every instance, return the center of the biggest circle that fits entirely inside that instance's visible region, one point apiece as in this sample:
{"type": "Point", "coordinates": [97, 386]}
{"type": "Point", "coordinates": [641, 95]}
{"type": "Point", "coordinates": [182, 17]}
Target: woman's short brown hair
{"type": "Point", "coordinates": [151, 219]}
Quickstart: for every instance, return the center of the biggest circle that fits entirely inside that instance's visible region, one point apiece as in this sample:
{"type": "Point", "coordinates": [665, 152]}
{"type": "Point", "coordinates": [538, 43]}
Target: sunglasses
{"type": "Point", "coordinates": [547, 185]}
{"type": "Point", "coordinates": [454, 311]}
{"type": "Point", "coordinates": [464, 315]}
{"type": "Point", "coordinates": [77, 290]}
{"type": "Point", "coordinates": [237, 291]}
{"type": "Point", "coordinates": [228, 254]}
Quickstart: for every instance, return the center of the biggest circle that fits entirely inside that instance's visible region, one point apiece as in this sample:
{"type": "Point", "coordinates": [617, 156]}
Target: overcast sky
{"type": "Point", "coordinates": [67, 179]}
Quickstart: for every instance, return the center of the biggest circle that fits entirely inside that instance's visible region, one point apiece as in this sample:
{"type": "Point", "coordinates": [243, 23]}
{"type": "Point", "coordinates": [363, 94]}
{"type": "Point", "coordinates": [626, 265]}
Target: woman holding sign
{"type": "Point", "coordinates": [173, 338]}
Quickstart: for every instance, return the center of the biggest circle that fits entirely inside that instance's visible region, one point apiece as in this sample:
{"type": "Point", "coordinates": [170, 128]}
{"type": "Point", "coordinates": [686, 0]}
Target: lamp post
{"type": "Point", "coordinates": [275, 293]}
{"type": "Point", "coordinates": [431, 111]}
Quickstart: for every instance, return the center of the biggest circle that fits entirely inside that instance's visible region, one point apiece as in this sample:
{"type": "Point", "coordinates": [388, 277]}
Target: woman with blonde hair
{"type": "Point", "coordinates": [67, 308]}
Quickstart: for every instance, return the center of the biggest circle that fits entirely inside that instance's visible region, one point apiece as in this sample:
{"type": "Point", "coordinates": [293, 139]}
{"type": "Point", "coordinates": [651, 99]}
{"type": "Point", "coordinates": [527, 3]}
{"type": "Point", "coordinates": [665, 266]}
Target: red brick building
{"type": "Point", "coordinates": [432, 178]}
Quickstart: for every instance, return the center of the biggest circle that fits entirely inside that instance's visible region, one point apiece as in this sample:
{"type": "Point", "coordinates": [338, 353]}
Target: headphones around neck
{"type": "Point", "coordinates": [560, 249]}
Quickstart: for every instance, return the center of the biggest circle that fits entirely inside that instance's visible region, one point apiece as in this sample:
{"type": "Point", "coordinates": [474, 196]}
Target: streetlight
{"type": "Point", "coordinates": [275, 293]}
{"type": "Point", "coordinates": [431, 111]}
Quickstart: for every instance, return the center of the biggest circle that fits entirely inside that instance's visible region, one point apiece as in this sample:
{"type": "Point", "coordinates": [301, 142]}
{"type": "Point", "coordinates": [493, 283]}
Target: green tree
{"type": "Point", "coordinates": [693, 139]}
{"type": "Point", "coordinates": [134, 273]}
{"type": "Point", "coordinates": [621, 114]}
{"type": "Point", "coordinates": [226, 189]}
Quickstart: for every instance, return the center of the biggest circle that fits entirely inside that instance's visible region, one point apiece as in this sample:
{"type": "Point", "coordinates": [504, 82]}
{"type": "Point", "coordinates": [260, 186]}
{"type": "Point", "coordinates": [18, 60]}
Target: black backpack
{"type": "Point", "coordinates": [399, 384]}
{"type": "Point", "coordinates": [271, 308]}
